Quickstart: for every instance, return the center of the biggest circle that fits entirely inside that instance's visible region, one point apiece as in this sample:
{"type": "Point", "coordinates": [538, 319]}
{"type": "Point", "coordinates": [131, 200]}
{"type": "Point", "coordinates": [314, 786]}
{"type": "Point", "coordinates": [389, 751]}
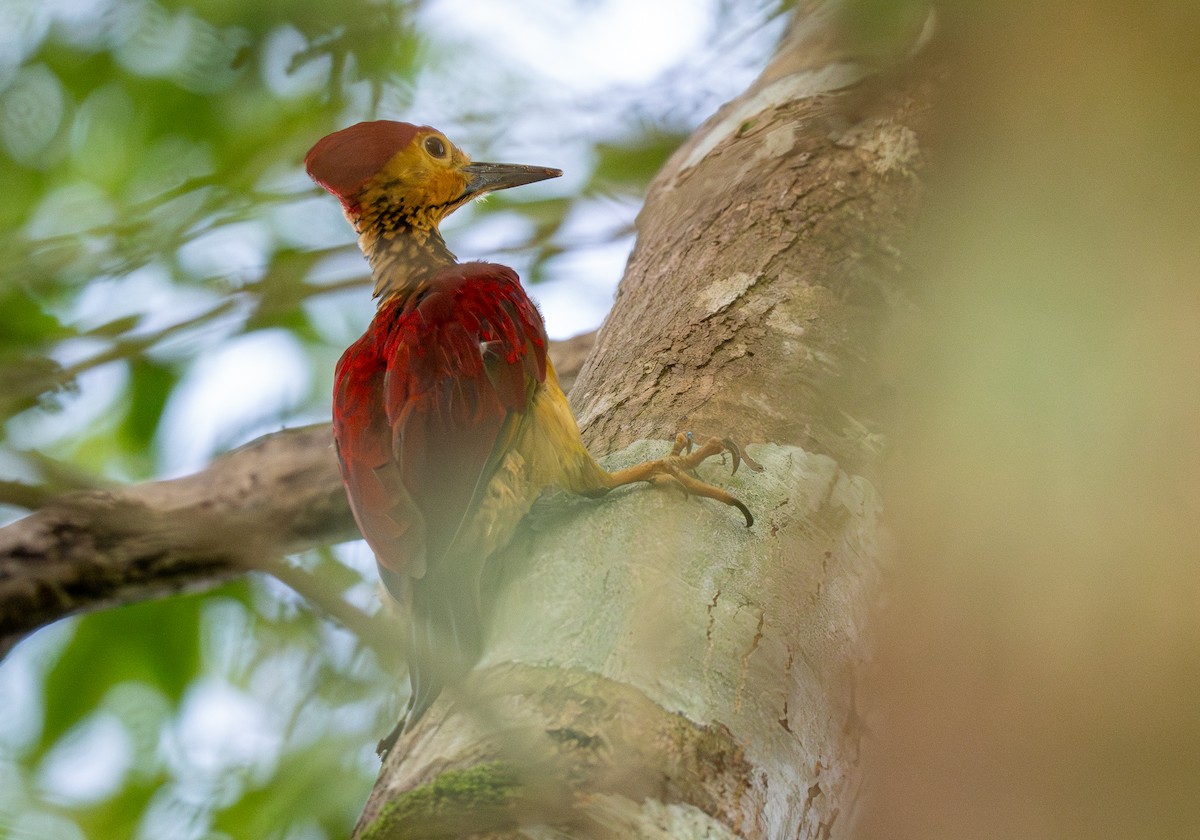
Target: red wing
{"type": "Point", "coordinates": [427, 401]}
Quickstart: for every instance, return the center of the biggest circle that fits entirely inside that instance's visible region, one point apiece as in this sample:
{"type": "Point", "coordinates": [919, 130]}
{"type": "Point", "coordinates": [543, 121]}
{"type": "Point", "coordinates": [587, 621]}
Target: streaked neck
{"type": "Point", "coordinates": [403, 249]}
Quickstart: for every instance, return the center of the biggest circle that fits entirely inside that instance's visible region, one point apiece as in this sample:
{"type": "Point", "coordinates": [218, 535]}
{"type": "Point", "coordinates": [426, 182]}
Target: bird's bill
{"type": "Point", "coordinates": [487, 177]}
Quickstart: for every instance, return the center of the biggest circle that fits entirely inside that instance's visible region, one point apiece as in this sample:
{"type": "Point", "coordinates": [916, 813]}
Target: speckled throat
{"type": "Point", "coordinates": [402, 245]}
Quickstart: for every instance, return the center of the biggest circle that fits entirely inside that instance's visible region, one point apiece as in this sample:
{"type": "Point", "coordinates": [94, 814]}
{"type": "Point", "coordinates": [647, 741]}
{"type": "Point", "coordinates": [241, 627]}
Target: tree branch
{"type": "Point", "coordinates": [379, 632]}
{"type": "Point", "coordinates": [102, 548]}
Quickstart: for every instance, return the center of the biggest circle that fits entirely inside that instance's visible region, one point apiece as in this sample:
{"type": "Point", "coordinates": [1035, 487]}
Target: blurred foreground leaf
{"type": "Point", "coordinates": [156, 643]}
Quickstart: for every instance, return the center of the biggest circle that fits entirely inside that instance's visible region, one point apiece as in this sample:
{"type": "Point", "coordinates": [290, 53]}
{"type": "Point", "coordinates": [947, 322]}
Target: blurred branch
{"type": "Point", "coordinates": [92, 549]}
{"type": "Point", "coordinates": [54, 478]}
{"type": "Point", "coordinates": [96, 549]}
{"type": "Point", "coordinates": [24, 495]}
{"type": "Point", "coordinates": [24, 384]}
{"type": "Point", "coordinates": [126, 347]}
{"type": "Point", "coordinates": [374, 631]}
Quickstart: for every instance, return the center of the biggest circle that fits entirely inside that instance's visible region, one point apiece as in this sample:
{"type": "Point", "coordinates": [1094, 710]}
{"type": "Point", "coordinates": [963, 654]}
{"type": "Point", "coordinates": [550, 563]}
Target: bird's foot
{"type": "Point", "coordinates": [678, 469]}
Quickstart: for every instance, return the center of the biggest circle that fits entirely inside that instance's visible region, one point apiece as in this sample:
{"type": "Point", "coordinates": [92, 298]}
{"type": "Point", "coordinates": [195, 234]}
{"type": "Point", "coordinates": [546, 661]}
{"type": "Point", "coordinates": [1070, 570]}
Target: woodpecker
{"type": "Point", "coordinates": [448, 419]}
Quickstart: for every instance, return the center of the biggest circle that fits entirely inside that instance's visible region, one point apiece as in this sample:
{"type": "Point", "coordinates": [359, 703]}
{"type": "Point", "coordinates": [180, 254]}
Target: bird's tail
{"type": "Point", "coordinates": [445, 642]}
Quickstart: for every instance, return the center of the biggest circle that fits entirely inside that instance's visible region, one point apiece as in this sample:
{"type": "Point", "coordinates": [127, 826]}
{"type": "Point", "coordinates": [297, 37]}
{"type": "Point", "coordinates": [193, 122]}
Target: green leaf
{"type": "Point", "coordinates": [150, 384]}
{"type": "Point", "coordinates": [634, 163]}
{"type": "Point", "coordinates": [24, 322]}
{"type": "Point", "coordinates": [115, 327]}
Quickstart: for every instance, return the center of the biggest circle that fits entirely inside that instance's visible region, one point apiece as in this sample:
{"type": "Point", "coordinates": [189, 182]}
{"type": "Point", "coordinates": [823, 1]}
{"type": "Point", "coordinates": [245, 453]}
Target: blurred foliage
{"type": "Point", "coordinates": [175, 286]}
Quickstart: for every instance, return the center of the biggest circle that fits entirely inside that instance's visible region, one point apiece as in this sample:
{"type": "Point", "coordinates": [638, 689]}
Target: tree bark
{"type": "Point", "coordinates": [654, 669]}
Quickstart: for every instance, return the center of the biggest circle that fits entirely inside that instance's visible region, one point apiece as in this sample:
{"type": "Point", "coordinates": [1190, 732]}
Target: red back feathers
{"type": "Point", "coordinates": [344, 161]}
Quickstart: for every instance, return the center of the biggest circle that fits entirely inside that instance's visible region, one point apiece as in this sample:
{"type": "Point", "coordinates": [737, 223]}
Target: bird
{"type": "Point", "coordinates": [448, 419]}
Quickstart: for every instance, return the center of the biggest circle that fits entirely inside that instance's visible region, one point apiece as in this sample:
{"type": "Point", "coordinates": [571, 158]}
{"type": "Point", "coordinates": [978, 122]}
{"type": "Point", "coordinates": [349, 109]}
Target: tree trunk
{"type": "Point", "coordinates": [654, 669]}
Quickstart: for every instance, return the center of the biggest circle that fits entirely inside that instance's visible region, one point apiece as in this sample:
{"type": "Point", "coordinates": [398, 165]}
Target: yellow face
{"type": "Point", "coordinates": [422, 183]}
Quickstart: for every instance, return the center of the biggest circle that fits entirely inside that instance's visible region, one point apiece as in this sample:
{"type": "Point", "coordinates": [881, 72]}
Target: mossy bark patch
{"type": "Point", "coordinates": [457, 803]}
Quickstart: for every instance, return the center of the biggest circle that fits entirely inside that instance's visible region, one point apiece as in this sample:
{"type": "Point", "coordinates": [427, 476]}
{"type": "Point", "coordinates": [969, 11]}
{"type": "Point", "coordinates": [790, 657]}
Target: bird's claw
{"type": "Point", "coordinates": [679, 469]}
{"type": "Point", "coordinates": [686, 456]}
{"type": "Point", "coordinates": [691, 486]}
{"type": "Point", "coordinates": [685, 443]}
{"type": "Point", "coordinates": [739, 456]}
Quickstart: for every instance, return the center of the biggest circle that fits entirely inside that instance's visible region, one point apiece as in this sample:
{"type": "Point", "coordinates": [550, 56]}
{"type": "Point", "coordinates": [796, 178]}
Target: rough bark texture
{"type": "Point", "coordinates": [766, 258]}
{"type": "Point", "coordinates": [653, 669]}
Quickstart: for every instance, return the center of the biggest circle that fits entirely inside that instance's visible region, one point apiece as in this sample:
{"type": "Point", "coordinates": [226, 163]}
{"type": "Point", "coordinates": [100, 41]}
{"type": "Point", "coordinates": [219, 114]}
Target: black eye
{"type": "Point", "coordinates": [435, 147]}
